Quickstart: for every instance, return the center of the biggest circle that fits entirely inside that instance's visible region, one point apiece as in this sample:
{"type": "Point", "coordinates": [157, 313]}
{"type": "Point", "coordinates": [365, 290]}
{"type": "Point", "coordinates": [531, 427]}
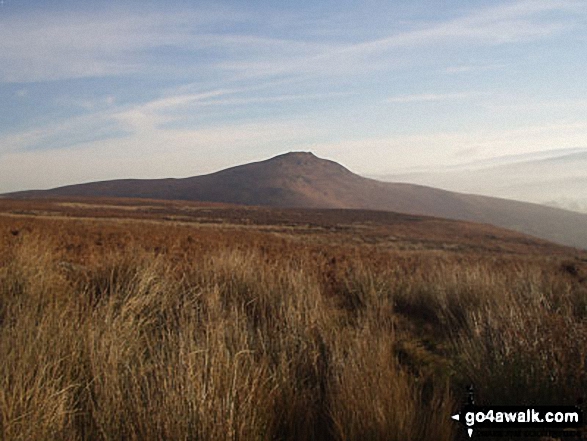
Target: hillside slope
{"type": "Point", "coordinates": [303, 180]}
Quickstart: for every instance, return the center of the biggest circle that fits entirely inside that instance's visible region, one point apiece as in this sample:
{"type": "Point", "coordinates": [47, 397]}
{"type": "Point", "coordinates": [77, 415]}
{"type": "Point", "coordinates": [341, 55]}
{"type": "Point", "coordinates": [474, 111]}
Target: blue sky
{"type": "Point", "coordinates": [103, 90]}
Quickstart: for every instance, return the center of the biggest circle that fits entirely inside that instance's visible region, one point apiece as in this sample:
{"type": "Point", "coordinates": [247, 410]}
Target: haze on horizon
{"type": "Point", "coordinates": [484, 98]}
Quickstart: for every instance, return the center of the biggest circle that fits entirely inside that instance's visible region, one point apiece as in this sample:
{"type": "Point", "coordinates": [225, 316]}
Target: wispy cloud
{"type": "Point", "coordinates": [517, 104]}
{"type": "Point", "coordinates": [467, 68]}
{"type": "Point", "coordinates": [429, 97]}
{"type": "Point", "coordinates": [149, 152]}
{"type": "Point", "coordinates": [48, 47]}
{"type": "Point", "coordinates": [63, 134]}
{"type": "Point", "coordinates": [403, 153]}
{"type": "Point", "coordinates": [516, 22]}
{"type": "Point", "coordinates": [45, 47]}
{"type": "Point", "coordinates": [523, 20]}
{"type": "Point", "coordinates": [149, 118]}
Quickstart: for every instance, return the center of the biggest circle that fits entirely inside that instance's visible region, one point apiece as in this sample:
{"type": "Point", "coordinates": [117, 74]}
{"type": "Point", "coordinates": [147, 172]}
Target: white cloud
{"type": "Point", "coordinates": [90, 105]}
{"type": "Point", "coordinates": [61, 135]}
{"type": "Point", "coordinates": [105, 120]}
{"type": "Point", "coordinates": [428, 97]}
{"type": "Point", "coordinates": [47, 47]}
{"type": "Point", "coordinates": [466, 68]}
{"type": "Point", "coordinates": [553, 177]}
{"type": "Point", "coordinates": [147, 148]}
{"type": "Point", "coordinates": [409, 153]}
{"type": "Point", "coordinates": [518, 22]}
{"type": "Point", "coordinates": [151, 153]}
{"type": "Point", "coordinates": [519, 104]}
{"type": "Point", "coordinates": [495, 25]}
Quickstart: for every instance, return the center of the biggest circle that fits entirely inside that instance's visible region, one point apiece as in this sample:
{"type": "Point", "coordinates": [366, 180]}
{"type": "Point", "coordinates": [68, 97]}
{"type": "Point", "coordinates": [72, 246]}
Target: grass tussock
{"type": "Point", "coordinates": [239, 343]}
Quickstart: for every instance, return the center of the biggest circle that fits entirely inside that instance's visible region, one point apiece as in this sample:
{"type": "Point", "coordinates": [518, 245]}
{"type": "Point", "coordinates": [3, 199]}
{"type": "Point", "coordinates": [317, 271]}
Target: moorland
{"type": "Point", "coordinates": [162, 320]}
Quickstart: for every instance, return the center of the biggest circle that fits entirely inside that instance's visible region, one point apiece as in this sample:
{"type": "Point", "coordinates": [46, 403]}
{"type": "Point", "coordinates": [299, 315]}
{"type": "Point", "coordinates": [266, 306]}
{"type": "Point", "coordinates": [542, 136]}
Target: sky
{"type": "Point", "coordinates": [96, 90]}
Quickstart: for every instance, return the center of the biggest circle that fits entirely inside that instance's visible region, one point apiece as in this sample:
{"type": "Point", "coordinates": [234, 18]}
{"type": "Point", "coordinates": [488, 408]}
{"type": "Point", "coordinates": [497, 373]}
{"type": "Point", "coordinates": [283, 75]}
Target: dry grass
{"type": "Point", "coordinates": [115, 331]}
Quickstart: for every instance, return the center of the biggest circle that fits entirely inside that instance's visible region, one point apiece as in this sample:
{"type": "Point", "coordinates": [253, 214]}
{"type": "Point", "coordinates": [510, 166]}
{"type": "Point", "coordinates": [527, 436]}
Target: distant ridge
{"type": "Point", "coordinates": [301, 179]}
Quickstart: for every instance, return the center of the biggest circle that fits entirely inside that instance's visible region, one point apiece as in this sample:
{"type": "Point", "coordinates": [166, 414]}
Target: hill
{"type": "Point", "coordinates": [303, 180]}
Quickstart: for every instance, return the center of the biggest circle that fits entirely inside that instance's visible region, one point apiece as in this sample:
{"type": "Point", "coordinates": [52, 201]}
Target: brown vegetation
{"type": "Point", "coordinates": [302, 180]}
{"type": "Point", "coordinates": [254, 326]}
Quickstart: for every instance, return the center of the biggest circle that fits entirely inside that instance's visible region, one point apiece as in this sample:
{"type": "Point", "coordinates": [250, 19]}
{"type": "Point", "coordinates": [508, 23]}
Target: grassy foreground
{"type": "Point", "coordinates": [112, 332]}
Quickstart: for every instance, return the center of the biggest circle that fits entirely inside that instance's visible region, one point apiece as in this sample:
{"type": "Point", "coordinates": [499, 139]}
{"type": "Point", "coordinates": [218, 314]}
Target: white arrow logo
{"type": "Point", "coordinates": [457, 417]}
